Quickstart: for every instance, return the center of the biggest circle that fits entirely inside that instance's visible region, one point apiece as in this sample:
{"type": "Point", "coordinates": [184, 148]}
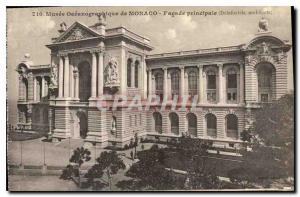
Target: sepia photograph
{"type": "Point", "coordinates": [150, 99]}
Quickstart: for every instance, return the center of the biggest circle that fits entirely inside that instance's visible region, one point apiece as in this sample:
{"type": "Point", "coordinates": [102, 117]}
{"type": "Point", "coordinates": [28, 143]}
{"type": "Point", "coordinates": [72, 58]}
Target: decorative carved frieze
{"type": "Point", "coordinates": [77, 34]}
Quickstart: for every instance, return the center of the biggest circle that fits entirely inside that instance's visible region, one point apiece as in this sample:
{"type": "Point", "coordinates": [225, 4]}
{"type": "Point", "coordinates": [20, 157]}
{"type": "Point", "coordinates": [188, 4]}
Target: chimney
{"type": "Point", "coordinates": [100, 25]}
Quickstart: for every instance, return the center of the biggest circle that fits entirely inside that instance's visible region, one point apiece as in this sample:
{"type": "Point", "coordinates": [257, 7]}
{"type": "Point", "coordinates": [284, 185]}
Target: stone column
{"type": "Point", "coordinates": [60, 77]}
{"type": "Point", "coordinates": [200, 84]}
{"type": "Point", "coordinates": [181, 81]}
{"type": "Point", "coordinates": [221, 92]}
{"type": "Point", "coordinates": [76, 81]}
{"type": "Point", "coordinates": [66, 77]}
{"type": "Point", "coordinates": [241, 85]}
{"type": "Point", "coordinates": [34, 88]}
{"type": "Point", "coordinates": [94, 75]}
{"type": "Point", "coordinates": [150, 82]}
{"type": "Point", "coordinates": [165, 83]}
{"type": "Point", "coordinates": [43, 86]}
{"type": "Point", "coordinates": [71, 81]}
{"type": "Point", "coordinates": [100, 73]}
{"type": "Point", "coordinates": [123, 72]}
{"type": "Point", "coordinates": [132, 74]}
{"type": "Point", "coordinates": [144, 76]}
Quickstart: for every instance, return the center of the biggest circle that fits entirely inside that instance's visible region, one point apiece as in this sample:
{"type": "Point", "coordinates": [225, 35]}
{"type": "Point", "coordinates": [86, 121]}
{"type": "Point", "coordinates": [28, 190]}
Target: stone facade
{"type": "Point", "coordinates": [92, 65]}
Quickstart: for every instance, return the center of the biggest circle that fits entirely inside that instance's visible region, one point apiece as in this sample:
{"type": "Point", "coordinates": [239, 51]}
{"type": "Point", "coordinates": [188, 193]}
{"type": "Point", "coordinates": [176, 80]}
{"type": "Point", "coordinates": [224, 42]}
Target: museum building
{"type": "Point", "coordinates": [225, 85]}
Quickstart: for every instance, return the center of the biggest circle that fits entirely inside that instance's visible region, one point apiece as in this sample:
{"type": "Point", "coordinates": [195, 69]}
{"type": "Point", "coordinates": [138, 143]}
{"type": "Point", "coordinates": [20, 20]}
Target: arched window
{"type": "Point", "coordinates": [129, 62]}
{"type": "Point", "coordinates": [266, 82]}
{"type": "Point", "coordinates": [231, 83]}
{"type": "Point", "coordinates": [24, 89]}
{"type": "Point", "coordinates": [232, 126]}
{"type": "Point", "coordinates": [192, 83]}
{"type": "Point", "coordinates": [211, 81]}
{"type": "Point", "coordinates": [174, 122]}
{"type": "Point", "coordinates": [84, 81]}
{"type": "Point", "coordinates": [192, 124]}
{"type": "Point", "coordinates": [136, 74]}
{"type": "Point", "coordinates": [211, 125]}
{"type": "Point", "coordinates": [175, 83]}
{"type": "Point", "coordinates": [157, 122]}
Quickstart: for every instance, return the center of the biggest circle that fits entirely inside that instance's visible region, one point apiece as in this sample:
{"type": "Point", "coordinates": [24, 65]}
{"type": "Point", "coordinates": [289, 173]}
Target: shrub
{"type": "Point", "coordinates": [126, 147]}
{"type": "Point", "coordinates": [68, 172]}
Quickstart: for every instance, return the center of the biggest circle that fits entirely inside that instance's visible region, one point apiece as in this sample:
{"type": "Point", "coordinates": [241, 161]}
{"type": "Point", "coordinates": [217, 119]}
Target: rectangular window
{"type": "Point", "coordinates": [229, 96]}
{"type": "Point", "coordinates": [234, 96]}
{"type": "Point", "coordinates": [211, 79]}
{"type": "Point", "coordinates": [211, 95]}
{"type": "Point", "coordinates": [232, 82]}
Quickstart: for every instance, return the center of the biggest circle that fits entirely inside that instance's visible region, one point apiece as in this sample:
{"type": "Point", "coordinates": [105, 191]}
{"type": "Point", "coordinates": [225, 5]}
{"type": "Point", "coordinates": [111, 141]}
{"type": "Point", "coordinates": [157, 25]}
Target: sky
{"type": "Point", "coordinates": [29, 34]}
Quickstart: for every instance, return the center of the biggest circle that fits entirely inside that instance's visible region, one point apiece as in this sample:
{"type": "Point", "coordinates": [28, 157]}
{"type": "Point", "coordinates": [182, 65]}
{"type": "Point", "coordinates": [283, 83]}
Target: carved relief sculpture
{"type": "Point", "coordinates": [53, 76]}
{"type": "Point", "coordinates": [111, 74]}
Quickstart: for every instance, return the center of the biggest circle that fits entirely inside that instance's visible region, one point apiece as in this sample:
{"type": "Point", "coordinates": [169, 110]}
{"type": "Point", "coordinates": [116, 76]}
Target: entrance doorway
{"type": "Point", "coordinates": [80, 125]}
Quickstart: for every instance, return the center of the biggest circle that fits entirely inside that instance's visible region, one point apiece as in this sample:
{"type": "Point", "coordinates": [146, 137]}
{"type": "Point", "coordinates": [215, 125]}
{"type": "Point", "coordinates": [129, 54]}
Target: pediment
{"type": "Point", "coordinates": [269, 41]}
{"type": "Point", "coordinates": [76, 32]}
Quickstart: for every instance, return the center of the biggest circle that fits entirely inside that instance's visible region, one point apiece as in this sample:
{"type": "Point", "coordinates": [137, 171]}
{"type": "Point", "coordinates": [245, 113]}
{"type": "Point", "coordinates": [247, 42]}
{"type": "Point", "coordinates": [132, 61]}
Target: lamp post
{"type": "Point", "coordinates": [44, 150]}
{"type": "Point", "coordinates": [95, 149]}
{"type": "Point", "coordinates": [69, 149]}
{"type": "Point", "coordinates": [21, 146]}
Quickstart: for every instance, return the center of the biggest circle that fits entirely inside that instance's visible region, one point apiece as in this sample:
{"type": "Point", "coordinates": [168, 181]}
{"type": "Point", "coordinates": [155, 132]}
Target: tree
{"type": "Point", "coordinates": [199, 175]}
{"type": "Point", "coordinates": [80, 155]}
{"type": "Point", "coordinates": [274, 123]}
{"type": "Point", "coordinates": [150, 172]}
{"type": "Point", "coordinates": [109, 163]}
{"type": "Point", "coordinates": [246, 136]}
{"type": "Point", "coordinates": [67, 173]}
{"type": "Point", "coordinates": [272, 142]}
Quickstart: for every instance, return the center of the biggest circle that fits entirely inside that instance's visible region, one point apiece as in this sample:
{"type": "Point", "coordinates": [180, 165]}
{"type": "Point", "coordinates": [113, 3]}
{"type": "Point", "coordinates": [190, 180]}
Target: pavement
{"type": "Point", "coordinates": [36, 152]}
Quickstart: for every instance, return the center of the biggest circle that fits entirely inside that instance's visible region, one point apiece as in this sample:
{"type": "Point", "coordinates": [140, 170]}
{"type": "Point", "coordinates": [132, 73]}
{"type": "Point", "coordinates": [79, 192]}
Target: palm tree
{"type": "Point", "coordinates": [80, 155]}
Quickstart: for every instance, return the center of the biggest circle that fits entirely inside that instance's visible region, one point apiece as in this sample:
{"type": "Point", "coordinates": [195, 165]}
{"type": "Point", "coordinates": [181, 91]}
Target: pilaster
{"type": "Point", "coordinates": [60, 76]}
{"type": "Point", "coordinates": [200, 84]}
{"type": "Point", "coordinates": [94, 75]}
{"type": "Point", "coordinates": [221, 84]}
{"type": "Point", "coordinates": [100, 73]}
